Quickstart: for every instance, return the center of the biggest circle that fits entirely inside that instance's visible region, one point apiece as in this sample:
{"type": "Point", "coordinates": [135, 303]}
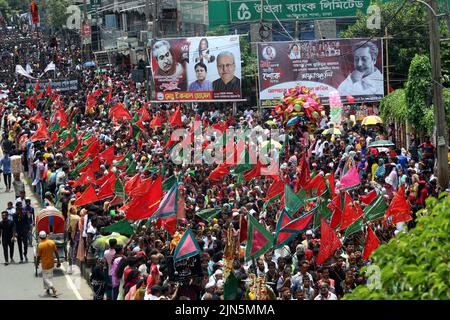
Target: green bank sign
{"type": "Point", "coordinates": [288, 10]}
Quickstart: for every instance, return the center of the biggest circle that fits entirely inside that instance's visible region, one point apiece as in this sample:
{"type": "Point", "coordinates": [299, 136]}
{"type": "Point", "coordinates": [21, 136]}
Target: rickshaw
{"type": "Point", "coordinates": [52, 222]}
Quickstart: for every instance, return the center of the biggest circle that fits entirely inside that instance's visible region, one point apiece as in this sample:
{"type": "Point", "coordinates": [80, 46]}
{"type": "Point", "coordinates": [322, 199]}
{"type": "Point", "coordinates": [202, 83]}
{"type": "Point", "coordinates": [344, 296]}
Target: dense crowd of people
{"type": "Point", "coordinates": [141, 268]}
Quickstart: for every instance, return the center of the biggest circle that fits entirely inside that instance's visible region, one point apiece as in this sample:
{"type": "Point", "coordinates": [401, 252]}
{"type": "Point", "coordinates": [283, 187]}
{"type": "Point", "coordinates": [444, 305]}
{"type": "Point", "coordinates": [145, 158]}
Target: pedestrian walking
{"type": "Point", "coordinates": [29, 212]}
{"type": "Point", "coordinates": [45, 256]}
{"type": "Point", "coordinates": [7, 237]}
{"type": "Point", "coordinates": [22, 228]}
{"type": "Point", "coordinates": [5, 166]}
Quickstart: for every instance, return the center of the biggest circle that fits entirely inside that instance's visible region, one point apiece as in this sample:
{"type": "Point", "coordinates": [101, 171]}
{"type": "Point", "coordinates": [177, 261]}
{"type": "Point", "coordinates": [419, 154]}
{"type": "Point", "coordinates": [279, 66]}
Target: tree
{"type": "Point", "coordinates": [409, 35]}
{"type": "Point", "coordinates": [413, 265]}
{"type": "Point", "coordinates": [418, 94]}
{"type": "Point", "coordinates": [56, 10]}
{"type": "Point", "coordinates": [393, 107]}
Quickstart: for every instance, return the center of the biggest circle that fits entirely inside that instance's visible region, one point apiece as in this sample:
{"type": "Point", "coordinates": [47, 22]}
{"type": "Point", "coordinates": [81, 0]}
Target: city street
{"type": "Point", "coordinates": [18, 281]}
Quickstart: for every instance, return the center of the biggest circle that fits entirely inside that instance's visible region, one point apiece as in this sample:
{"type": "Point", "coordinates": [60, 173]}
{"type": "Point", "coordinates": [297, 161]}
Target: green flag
{"type": "Point", "coordinates": [123, 227]}
{"type": "Point", "coordinates": [128, 156]}
{"type": "Point", "coordinates": [71, 146]}
{"type": "Point", "coordinates": [321, 211]}
{"type": "Point", "coordinates": [208, 214]}
{"type": "Point", "coordinates": [230, 287]}
{"type": "Point", "coordinates": [55, 127]}
{"type": "Point", "coordinates": [376, 210]}
{"type": "Point", "coordinates": [74, 173]}
{"type": "Point", "coordinates": [292, 201]}
{"type": "Point", "coordinates": [244, 163]}
{"type": "Point", "coordinates": [118, 189]}
{"type": "Point", "coordinates": [131, 168]}
{"type": "Point", "coordinates": [356, 226]}
{"type": "Point", "coordinates": [168, 183]}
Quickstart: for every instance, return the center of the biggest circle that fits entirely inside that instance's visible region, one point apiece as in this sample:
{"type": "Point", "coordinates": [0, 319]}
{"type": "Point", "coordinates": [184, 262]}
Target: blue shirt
{"type": "Point", "coordinates": [201, 86]}
{"type": "Point", "coordinates": [5, 163]}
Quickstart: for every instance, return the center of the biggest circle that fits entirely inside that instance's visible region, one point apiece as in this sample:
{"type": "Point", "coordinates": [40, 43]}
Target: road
{"type": "Point", "coordinates": [18, 281]}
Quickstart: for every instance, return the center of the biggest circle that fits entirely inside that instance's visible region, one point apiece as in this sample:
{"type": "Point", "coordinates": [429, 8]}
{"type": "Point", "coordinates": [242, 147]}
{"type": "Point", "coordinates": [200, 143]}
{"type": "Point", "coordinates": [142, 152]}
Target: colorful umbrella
{"type": "Point", "coordinates": [332, 131]}
{"type": "Point", "coordinates": [371, 120]}
{"type": "Point", "coordinates": [102, 242]}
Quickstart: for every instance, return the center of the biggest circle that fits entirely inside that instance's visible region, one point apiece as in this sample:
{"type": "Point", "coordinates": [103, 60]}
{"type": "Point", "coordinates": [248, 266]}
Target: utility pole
{"type": "Point", "coordinates": [387, 59]}
{"type": "Point", "coordinates": [155, 19]}
{"type": "Point", "coordinates": [439, 113]}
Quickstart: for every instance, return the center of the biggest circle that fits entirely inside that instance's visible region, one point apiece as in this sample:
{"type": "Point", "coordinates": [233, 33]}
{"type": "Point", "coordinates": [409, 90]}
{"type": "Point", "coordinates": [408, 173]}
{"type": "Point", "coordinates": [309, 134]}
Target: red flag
{"type": "Point", "coordinates": [222, 126]}
{"type": "Point", "coordinates": [175, 119]}
{"type": "Point", "coordinates": [40, 95]}
{"type": "Point", "coordinates": [131, 184]}
{"type": "Point", "coordinates": [48, 90]}
{"type": "Point", "coordinates": [399, 209]}
{"type": "Point", "coordinates": [97, 93]}
{"type": "Point", "coordinates": [119, 112]}
{"type": "Point", "coordinates": [141, 188]}
{"type": "Point", "coordinates": [243, 229]}
{"type": "Point", "coordinates": [37, 117]}
{"type": "Point", "coordinates": [96, 164]}
{"type": "Point", "coordinates": [145, 114]}
{"type": "Point", "coordinates": [253, 173]}
{"type": "Point", "coordinates": [351, 212]}
{"type": "Point", "coordinates": [34, 13]}
{"type": "Point", "coordinates": [317, 183]}
{"type": "Point", "coordinates": [276, 188]}
{"type": "Point", "coordinates": [335, 206]}
{"type": "Point", "coordinates": [144, 207]}
{"type": "Point", "coordinates": [63, 118]}
{"type": "Point", "coordinates": [330, 179]}
{"type": "Point", "coordinates": [107, 155]}
{"type": "Point", "coordinates": [302, 172]}
{"type": "Point", "coordinates": [87, 176]}
{"type": "Point", "coordinates": [36, 88]}
{"type": "Point", "coordinates": [94, 149]}
{"type": "Point", "coordinates": [41, 132]}
{"type": "Point", "coordinates": [90, 102]}
{"type": "Point", "coordinates": [156, 122]}
{"type": "Point", "coordinates": [100, 181]}
{"type": "Point", "coordinates": [368, 198]}
{"type": "Point", "coordinates": [329, 242]}
{"type": "Point", "coordinates": [109, 97]}
{"type": "Point", "coordinates": [169, 224]}
{"type": "Point", "coordinates": [107, 188]}
{"type": "Point", "coordinates": [219, 172]}
{"type": "Point", "coordinates": [372, 243]}
{"type": "Point", "coordinates": [298, 224]}
{"type": "Point", "coordinates": [88, 196]}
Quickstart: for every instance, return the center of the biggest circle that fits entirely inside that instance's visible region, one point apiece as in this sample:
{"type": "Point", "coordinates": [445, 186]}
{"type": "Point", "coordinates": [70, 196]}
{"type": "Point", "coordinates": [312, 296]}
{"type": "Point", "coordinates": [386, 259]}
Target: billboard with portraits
{"type": "Point", "coordinates": [353, 67]}
{"type": "Point", "coordinates": [196, 69]}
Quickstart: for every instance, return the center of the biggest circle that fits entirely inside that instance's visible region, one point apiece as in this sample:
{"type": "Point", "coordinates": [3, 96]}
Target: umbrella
{"type": "Point", "coordinates": [371, 120]}
{"type": "Point", "coordinates": [89, 64]}
{"type": "Point", "coordinates": [274, 143]}
{"type": "Point", "coordinates": [102, 242]}
{"type": "Point", "coordinates": [332, 131]}
{"type": "Point", "coordinates": [381, 143]}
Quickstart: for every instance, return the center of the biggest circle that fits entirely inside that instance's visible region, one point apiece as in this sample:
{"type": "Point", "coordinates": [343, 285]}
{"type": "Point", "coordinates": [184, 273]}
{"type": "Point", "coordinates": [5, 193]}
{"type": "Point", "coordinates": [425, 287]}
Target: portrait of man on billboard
{"type": "Point", "coordinates": [167, 66]}
{"type": "Point", "coordinates": [365, 79]}
{"type": "Point", "coordinates": [201, 84]}
{"type": "Point", "coordinates": [226, 67]}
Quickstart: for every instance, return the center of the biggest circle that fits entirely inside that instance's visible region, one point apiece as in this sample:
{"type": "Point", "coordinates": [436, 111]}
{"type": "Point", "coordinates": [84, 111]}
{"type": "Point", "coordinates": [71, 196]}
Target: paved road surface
{"type": "Point", "coordinates": [18, 281]}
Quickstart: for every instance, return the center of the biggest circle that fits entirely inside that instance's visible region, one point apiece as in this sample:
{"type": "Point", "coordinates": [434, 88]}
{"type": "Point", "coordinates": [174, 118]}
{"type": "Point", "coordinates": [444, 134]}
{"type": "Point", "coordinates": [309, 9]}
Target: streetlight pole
{"type": "Point", "coordinates": [439, 111]}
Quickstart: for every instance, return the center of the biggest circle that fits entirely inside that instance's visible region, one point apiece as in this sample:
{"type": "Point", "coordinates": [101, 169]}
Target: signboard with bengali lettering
{"type": "Point", "coordinates": [288, 10]}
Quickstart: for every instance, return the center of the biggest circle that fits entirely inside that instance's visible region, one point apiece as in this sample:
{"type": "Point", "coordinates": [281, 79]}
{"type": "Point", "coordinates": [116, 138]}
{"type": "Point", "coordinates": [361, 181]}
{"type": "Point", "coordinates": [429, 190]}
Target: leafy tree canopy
{"type": "Point", "coordinates": [414, 265]}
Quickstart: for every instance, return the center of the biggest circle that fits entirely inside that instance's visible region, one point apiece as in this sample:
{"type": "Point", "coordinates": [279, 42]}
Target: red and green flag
{"type": "Point", "coordinates": [259, 239]}
{"type": "Point", "coordinates": [168, 205]}
{"type": "Point", "coordinates": [187, 247]}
